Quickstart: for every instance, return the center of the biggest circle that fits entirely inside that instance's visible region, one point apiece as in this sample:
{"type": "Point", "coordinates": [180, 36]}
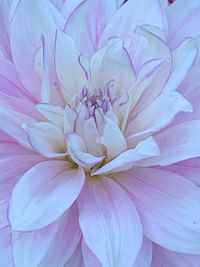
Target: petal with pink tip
{"type": "Point", "coordinates": [56, 241]}
{"type": "Point", "coordinates": [169, 207]}
{"type": "Point", "coordinates": [36, 198]}
{"type": "Point", "coordinates": [24, 17]}
{"type": "Point", "coordinates": [115, 235]}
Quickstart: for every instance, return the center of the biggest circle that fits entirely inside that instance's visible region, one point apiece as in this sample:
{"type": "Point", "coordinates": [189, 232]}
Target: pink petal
{"type": "Point", "coordinates": [25, 17]}
{"type": "Point", "coordinates": [56, 242]}
{"type": "Point", "coordinates": [177, 143]}
{"type": "Point", "coordinates": [145, 256]}
{"type": "Point", "coordinates": [88, 257]}
{"type": "Point", "coordinates": [183, 60]}
{"type": "Point", "coordinates": [115, 234]}
{"type": "Point", "coordinates": [11, 123]}
{"type": "Point", "coordinates": [76, 260]}
{"type": "Point", "coordinates": [173, 259]}
{"type": "Point", "coordinates": [169, 207]}
{"type": "Point", "coordinates": [39, 204]}
{"type": "Point", "coordinates": [6, 252]}
{"type": "Point", "coordinates": [184, 25]}
{"type": "Point", "coordinates": [46, 138]}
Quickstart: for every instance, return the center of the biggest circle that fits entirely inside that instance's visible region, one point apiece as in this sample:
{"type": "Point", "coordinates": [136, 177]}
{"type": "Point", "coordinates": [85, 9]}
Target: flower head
{"type": "Point", "coordinates": [99, 134]}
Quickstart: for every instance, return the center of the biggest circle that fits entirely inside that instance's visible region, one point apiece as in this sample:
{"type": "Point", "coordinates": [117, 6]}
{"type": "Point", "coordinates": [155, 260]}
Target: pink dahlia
{"type": "Point", "coordinates": [99, 133]}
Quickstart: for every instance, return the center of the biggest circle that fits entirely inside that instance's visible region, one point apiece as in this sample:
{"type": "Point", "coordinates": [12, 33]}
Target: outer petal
{"type": "Point", "coordinates": [93, 17]}
{"type": "Point", "coordinates": [173, 259]}
{"type": "Point", "coordinates": [128, 16]}
{"type": "Point", "coordinates": [145, 256]}
{"type": "Point", "coordinates": [26, 16]}
{"type": "Point", "coordinates": [44, 187]}
{"type": "Point", "coordinates": [56, 242]}
{"type": "Point", "coordinates": [177, 143]}
{"type": "Point", "coordinates": [88, 257]}
{"type": "Point", "coordinates": [76, 260]}
{"type": "Point", "coordinates": [183, 60]}
{"type": "Point", "coordinates": [11, 123]}
{"type": "Point", "coordinates": [169, 206]}
{"type": "Point", "coordinates": [6, 252]}
{"type": "Point", "coordinates": [109, 223]}
{"type": "Point", "coordinates": [46, 138]}
{"type": "Point", "coordinates": [12, 167]}
{"type": "Point", "coordinates": [183, 25]}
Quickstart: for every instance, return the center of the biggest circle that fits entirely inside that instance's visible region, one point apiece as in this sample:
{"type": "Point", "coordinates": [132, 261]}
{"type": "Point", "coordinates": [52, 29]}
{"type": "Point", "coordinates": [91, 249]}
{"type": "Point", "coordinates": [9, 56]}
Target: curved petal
{"type": "Point", "coordinates": [145, 149]}
{"type": "Point", "coordinates": [77, 151]}
{"type": "Point", "coordinates": [115, 235]}
{"type": "Point", "coordinates": [157, 115]}
{"type": "Point", "coordinates": [56, 242]}
{"type": "Point", "coordinates": [46, 138]}
{"type": "Point", "coordinates": [114, 146]}
{"type": "Point", "coordinates": [169, 207]}
{"type": "Point", "coordinates": [36, 198]}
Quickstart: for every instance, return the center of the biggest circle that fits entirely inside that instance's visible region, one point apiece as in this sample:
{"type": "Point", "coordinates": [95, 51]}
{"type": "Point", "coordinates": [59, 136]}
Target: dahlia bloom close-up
{"type": "Point", "coordinates": [99, 133]}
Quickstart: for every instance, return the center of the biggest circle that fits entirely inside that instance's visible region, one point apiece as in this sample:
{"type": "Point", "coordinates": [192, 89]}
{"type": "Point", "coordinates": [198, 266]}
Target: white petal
{"type": "Point", "coordinates": [77, 150]}
{"type": "Point", "coordinates": [46, 138]}
{"type": "Point", "coordinates": [145, 149]}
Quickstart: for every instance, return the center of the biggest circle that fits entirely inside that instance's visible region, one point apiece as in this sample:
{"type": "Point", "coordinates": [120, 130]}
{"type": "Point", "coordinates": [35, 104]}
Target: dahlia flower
{"type": "Point", "coordinates": [99, 133]}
